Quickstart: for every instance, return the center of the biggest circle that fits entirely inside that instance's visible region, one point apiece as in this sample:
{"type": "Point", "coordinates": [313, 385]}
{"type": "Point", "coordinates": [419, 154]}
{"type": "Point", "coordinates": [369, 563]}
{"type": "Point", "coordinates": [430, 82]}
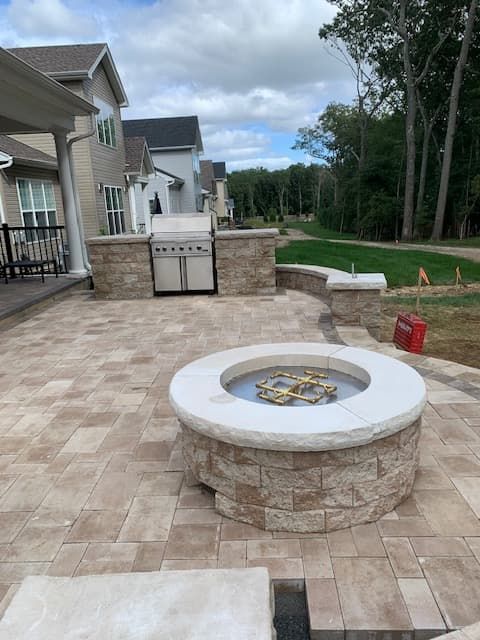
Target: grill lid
{"type": "Point", "coordinates": [182, 224]}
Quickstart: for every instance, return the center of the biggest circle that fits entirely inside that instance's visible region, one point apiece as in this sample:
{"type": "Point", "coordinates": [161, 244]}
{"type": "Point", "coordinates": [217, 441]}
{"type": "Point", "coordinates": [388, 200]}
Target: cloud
{"type": "Point", "coordinates": [230, 144]}
{"type": "Point", "coordinates": [50, 19]}
{"type": "Point", "coordinates": [274, 162]}
{"type": "Point", "coordinates": [238, 66]}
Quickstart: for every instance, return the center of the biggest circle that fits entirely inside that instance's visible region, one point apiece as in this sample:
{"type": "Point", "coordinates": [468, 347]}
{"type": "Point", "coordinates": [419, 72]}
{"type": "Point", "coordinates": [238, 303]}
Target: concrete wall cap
{"type": "Point", "coordinates": [362, 281]}
{"type": "Point", "coordinates": [131, 238]}
{"type": "Point", "coordinates": [309, 270]}
{"type": "Point", "coordinates": [394, 398]}
{"type": "Point", "coordinates": [240, 234]}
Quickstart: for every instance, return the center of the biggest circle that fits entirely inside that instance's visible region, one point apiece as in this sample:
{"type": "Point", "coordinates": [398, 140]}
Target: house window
{"type": "Point", "coordinates": [115, 210]}
{"type": "Point", "coordinates": [37, 206]}
{"type": "Point", "coordinates": [105, 123]}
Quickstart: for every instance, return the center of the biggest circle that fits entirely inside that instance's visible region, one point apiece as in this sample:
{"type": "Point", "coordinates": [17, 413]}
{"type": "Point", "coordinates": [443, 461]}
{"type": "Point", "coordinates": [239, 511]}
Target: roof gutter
{"type": "Point", "coordinates": [5, 162]}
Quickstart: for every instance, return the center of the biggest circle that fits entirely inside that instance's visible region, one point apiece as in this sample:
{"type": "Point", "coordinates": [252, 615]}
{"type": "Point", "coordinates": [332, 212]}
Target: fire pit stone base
{"type": "Point", "coordinates": [305, 491]}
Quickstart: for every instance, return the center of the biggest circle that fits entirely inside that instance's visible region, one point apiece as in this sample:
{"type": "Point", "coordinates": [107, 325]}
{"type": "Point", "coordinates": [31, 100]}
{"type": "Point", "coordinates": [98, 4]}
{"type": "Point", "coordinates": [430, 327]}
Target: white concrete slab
{"type": "Point", "coordinates": [394, 399]}
{"type": "Point", "coordinates": [233, 604]}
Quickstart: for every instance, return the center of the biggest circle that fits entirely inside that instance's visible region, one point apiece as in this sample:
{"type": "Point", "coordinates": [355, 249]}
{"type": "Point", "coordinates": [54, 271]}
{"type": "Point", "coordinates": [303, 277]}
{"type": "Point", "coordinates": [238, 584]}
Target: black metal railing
{"type": "Point", "coordinates": [35, 243]}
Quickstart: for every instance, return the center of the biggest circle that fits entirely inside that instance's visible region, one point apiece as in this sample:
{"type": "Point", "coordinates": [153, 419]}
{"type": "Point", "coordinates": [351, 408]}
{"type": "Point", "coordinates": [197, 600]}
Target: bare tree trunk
{"type": "Point", "coordinates": [408, 205]}
{"type": "Point", "coordinates": [452, 123]}
{"type": "Point", "coordinates": [427, 135]}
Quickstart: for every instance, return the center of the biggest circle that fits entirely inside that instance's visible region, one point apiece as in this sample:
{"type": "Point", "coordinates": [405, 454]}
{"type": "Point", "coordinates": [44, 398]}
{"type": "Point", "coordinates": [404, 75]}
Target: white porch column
{"type": "Point", "coordinates": [133, 204]}
{"type": "Point", "coordinates": [147, 216]}
{"type": "Point", "coordinates": [77, 267]}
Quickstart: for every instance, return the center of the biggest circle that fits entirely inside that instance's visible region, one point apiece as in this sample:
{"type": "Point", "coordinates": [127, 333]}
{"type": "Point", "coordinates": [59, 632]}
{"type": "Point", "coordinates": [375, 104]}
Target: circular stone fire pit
{"type": "Point", "coordinates": [305, 465]}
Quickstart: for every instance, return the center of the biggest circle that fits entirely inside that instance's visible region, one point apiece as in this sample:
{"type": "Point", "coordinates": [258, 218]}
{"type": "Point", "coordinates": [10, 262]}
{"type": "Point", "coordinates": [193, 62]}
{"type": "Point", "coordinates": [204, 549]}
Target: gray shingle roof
{"type": "Point", "coordinates": [62, 58]}
{"type": "Point", "coordinates": [219, 170]}
{"type": "Point", "coordinates": [165, 132]}
{"type": "Point", "coordinates": [24, 153]}
{"type": "Point", "coordinates": [134, 150]}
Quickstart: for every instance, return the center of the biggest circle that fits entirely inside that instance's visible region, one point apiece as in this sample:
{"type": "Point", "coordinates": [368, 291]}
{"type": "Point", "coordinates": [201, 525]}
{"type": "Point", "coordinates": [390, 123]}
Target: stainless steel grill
{"type": "Point", "coordinates": [182, 252]}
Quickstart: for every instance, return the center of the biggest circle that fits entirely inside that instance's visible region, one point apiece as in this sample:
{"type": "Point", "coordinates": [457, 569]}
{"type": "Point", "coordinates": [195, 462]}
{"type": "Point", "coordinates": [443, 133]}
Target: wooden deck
{"type": "Point", "coordinates": [22, 297]}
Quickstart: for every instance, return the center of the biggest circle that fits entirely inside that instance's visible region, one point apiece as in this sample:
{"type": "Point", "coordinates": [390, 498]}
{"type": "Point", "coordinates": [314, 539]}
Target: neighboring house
{"type": "Point", "coordinates": [170, 195]}
{"type": "Point", "coordinates": [88, 70]}
{"type": "Point", "coordinates": [175, 145]}
{"type": "Point", "coordinates": [31, 190]}
{"type": "Point", "coordinates": [139, 170]}
{"type": "Point", "coordinates": [223, 204]}
{"type": "Point", "coordinates": [209, 189]}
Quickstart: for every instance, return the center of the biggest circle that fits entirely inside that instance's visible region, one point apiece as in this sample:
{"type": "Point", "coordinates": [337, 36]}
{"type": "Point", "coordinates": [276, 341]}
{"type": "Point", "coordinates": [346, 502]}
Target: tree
{"type": "Point", "coordinates": [399, 39]}
{"type": "Point", "coordinates": [452, 122]}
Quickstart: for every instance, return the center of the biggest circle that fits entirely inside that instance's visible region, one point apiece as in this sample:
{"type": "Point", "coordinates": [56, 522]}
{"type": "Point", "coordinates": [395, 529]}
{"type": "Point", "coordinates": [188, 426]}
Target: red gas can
{"type": "Point", "coordinates": [410, 332]}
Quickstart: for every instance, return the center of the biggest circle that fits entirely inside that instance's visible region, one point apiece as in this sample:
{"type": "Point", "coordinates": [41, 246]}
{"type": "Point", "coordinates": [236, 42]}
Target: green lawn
{"type": "Point", "coordinates": [452, 242]}
{"type": "Point", "coordinates": [316, 230]}
{"type": "Point", "coordinates": [399, 266]}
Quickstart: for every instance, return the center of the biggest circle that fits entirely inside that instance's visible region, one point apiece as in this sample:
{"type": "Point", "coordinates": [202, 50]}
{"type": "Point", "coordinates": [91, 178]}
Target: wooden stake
{"type": "Point", "coordinates": [419, 288]}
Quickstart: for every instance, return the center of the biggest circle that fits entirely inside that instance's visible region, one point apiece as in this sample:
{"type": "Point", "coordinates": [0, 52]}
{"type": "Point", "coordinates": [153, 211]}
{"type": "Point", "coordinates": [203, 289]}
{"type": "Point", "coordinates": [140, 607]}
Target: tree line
{"type": "Point", "coordinates": [403, 159]}
{"type": "Point", "coordinates": [298, 190]}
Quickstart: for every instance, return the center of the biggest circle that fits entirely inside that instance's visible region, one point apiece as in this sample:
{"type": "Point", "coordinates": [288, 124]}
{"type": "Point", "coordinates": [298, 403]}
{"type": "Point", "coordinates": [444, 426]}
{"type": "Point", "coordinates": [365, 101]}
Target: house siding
{"type": "Point", "coordinates": [220, 206]}
{"type": "Point", "coordinates": [94, 163]}
{"type": "Point", "coordinates": [107, 163]}
{"type": "Point", "coordinates": [10, 195]}
{"type": "Point", "coordinates": [179, 163]}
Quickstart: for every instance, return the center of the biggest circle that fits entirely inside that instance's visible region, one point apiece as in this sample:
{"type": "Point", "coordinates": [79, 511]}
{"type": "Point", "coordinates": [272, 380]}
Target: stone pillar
{"type": "Point", "coordinates": [121, 266]}
{"type": "Point", "coordinates": [356, 301]}
{"type": "Point", "coordinates": [77, 267]}
{"type": "Point", "coordinates": [245, 262]}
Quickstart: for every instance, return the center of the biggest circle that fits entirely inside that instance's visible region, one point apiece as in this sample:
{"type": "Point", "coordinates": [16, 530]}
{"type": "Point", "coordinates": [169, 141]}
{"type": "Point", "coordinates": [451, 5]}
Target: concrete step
{"type": "Point", "coordinates": [222, 604]}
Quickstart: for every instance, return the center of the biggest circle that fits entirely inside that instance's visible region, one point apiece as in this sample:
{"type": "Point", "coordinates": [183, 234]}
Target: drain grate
{"type": "Point", "coordinates": [291, 618]}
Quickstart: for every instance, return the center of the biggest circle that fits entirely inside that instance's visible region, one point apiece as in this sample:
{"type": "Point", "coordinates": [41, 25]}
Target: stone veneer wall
{"type": "Point", "coordinates": [305, 491]}
{"type": "Point", "coordinates": [245, 262]}
{"type": "Point", "coordinates": [351, 301]}
{"type": "Point", "coordinates": [121, 266]}
{"type": "Point", "coordinates": [351, 307]}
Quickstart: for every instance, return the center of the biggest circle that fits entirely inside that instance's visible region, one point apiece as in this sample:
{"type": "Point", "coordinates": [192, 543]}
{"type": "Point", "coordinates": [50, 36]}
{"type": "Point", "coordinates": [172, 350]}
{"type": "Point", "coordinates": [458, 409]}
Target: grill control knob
{"type": "Point", "coordinates": [181, 248]}
{"type": "Point", "coordinates": [163, 249]}
{"type": "Point", "coordinates": [189, 248]}
{"type": "Point", "coordinates": [199, 248]}
{"type": "Point", "coordinates": [173, 248]}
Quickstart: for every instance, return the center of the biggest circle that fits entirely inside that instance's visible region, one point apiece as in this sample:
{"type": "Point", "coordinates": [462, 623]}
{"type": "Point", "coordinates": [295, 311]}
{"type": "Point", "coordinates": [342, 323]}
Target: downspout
{"type": "Point", "coordinates": [168, 184]}
{"type": "Point", "coordinates": [70, 144]}
{"type": "Point", "coordinates": [4, 165]}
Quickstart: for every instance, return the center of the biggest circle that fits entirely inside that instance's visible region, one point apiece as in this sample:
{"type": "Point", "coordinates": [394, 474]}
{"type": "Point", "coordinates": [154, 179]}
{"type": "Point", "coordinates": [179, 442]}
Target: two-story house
{"type": "Point", "coordinates": [97, 144]}
{"type": "Point", "coordinates": [175, 145]}
{"type": "Point", "coordinates": [223, 203]}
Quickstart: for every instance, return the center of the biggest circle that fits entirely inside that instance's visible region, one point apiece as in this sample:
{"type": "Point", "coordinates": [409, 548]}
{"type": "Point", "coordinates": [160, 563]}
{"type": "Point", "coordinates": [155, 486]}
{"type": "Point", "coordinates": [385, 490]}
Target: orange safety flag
{"type": "Point", "coordinates": [423, 275]}
{"type": "Point", "coordinates": [458, 274]}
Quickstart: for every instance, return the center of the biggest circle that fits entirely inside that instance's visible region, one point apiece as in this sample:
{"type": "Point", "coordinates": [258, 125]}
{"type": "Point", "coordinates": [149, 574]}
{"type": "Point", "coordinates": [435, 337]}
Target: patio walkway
{"type": "Point", "coordinates": [91, 474]}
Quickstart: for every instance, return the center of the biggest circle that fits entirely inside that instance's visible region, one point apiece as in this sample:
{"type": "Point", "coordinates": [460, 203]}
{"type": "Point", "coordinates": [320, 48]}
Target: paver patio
{"type": "Point", "coordinates": [92, 479]}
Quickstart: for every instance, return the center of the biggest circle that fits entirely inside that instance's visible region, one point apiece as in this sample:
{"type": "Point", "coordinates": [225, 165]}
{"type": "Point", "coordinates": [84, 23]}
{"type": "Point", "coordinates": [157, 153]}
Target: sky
{"type": "Point", "coordinates": [253, 72]}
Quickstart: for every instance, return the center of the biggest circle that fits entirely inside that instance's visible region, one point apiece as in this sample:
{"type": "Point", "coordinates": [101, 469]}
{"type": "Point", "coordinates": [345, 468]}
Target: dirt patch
{"type": "Point", "coordinates": [453, 329]}
{"type": "Point", "coordinates": [439, 290]}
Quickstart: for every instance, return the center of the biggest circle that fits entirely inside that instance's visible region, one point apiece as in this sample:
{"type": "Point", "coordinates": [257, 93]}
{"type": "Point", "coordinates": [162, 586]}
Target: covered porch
{"type": "Point", "coordinates": [34, 103]}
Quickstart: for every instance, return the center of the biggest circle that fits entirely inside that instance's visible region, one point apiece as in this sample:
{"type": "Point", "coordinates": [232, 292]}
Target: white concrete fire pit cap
{"type": "Point", "coordinates": [394, 398]}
